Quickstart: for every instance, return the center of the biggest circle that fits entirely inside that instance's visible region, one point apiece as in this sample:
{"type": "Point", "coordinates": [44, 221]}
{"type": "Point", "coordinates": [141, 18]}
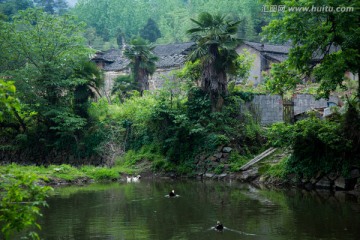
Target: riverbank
{"type": "Point", "coordinates": [269, 172]}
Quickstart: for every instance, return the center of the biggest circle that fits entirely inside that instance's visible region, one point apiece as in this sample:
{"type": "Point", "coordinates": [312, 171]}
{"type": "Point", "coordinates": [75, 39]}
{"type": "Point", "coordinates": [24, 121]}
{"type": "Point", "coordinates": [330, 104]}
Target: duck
{"type": "Point", "coordinates": [172, 193]}
{"type": "Point", "coordinates": [133, 179]}
{"type": "Point", "coordinates": [219, 226]}
{"type": "Point", "coordinates": [136, 179]}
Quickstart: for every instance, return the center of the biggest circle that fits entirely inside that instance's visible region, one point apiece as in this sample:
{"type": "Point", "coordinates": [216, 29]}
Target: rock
{"type": "Point", "coordinates": [355, 173]}
{"type": "Point", "coordinates": [345, 184]}
{"type": "Point", "coordinates": [223, 175]}
{"type": "Point", "coordinates": [203, 157]}
{"type": "Point", "coordinates": [209, 175]}
{"type": "Point", "coordinates": [340, 183]}
{"type": "Point", "coordinates": [324, 182]}
{"type": "Point", "coordinates": [225, 155]}
{"type": "Point", "coordinates": [212, 158]}
{"type": "Point", "coordinates": [227, 149]}
{"type": "Point", "coordinates": [249, 175]}
{"type": "Point", "coordinates": [218, 155]}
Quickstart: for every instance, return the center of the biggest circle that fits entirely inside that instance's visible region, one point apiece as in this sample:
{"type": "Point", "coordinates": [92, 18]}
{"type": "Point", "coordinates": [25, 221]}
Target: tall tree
{"type": "Point", "coordinates": [150, 31]}
{"type": "Point", "coordinates": [47, 49]}
{"type": "Point", "coordinates": [216, 43]}
{"type": "Point", "coordinates": [142, 62]}
{"type": "Point", "coordinates": [331, 36]}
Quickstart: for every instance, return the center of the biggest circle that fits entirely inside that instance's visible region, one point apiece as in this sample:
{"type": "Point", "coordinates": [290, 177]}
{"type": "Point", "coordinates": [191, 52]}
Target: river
{"type": "Point", "coordinates": [142, 211]}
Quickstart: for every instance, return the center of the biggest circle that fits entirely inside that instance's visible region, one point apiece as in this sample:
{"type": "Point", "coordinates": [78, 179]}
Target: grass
{"type": "Point", "coordinates": [66, 172]}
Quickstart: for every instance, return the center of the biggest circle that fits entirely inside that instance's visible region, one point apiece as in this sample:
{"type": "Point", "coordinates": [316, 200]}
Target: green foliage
{"type": "Point", "coordinates": [150, 31]}
{"type": "Point", "coordinates": [100, 174]}
{"type": "Point", "coordinates": [215, 38]}
{"type": "Point", "coordinates": [278, 170]}
{"type": "Point", "coordinates": [8, 102]}
{"type": "Point", "coordinates": [55, 83]}
{"type": "Point", "coordinates": [282, 79]}
{"type": "Point", "coordinates": [318, 146]}
{"type": "Point", "coordinates": [123, 87]}
{"type": "Point", "coordinates": [63, 171]}
{"type": "Point", "coordinates": [149, 152]}
{"type": "Point", "coordinates": [237, 161]}
{"type": "Point", "coordinates": [142, 62]}
{"type": "Point", "coordinates": [9, 8]}
{"type": "Point", "coordinates": [280, 135]}
{"type": "Point", "coordinates": [21, 199]}
{"type": "Point", "coordinates": [172, 17]}
{"type": "Point", "coordinates": [325, 43]}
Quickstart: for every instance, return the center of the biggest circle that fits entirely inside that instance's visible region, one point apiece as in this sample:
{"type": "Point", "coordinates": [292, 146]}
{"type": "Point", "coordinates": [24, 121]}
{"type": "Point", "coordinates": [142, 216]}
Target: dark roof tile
{"type": "Point", "coordinates": [270, 48]}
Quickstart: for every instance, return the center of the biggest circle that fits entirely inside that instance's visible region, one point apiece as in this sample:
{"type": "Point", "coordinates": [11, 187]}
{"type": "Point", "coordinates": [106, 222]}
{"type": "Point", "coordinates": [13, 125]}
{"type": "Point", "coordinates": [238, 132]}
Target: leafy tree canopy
{"type": "Point", "coordinates": [325, 43]}
{"type": "Point", "coordinates": [142, 62]}
{"type": "Point", "coordinates": [40, 53]}
{"type": "Point", "coordinates": [216, 42]}
{"type": "Point", "coordinates": [150, 31]}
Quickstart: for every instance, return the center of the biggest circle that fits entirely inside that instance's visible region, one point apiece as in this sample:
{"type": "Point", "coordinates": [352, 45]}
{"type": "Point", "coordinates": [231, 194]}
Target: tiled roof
{"type": "Point", "coordinates": [173, 49]}
{"type": "Point", "coordinates": [170, 55]}
{"type": "Point", "coordinates": [269, 48]}
{"type": "Point", "coordinates": [277, 57]}
{"type": "Point", "coordinates": [109, 55]}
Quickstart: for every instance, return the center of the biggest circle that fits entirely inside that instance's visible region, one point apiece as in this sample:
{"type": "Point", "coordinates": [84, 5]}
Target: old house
{"type": "Point", "coordinates": [265, 55]}
{"type": "Point", "coordinates": [171, 57]}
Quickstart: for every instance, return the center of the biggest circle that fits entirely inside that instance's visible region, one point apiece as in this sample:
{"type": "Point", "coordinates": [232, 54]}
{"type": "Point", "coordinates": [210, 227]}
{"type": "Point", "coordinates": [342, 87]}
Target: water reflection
{"type": "Point", "coordinates": [140, 211]}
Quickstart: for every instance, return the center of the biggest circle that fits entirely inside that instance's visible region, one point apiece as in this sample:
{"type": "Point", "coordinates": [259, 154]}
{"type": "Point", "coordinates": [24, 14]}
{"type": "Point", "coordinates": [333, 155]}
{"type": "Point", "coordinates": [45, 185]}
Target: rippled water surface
{"type": "Point", "coordinates": [141, 211]}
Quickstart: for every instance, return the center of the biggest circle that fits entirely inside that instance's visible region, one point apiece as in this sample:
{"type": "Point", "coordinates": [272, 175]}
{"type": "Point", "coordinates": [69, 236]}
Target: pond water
{"type": "Point", "coordinates": [141, 211]}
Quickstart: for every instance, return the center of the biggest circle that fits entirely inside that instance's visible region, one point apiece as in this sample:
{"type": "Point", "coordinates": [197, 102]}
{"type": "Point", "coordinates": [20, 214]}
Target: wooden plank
{"type": "Point", "coordinates": [258, 158]}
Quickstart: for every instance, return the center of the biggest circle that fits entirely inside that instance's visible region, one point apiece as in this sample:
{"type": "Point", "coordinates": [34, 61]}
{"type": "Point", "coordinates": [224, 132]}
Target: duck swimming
{"type": "Point", "coordinates": [219, 226]}
{"type": "Point", "coordinates": [172, 193]}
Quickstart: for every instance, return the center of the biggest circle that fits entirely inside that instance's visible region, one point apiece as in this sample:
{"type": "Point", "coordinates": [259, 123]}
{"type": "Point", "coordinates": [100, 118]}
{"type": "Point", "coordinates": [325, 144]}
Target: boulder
{"type": "Point", "coordinates": [249, 175]}
{"type": "Point", "coordinates": [345, 184]}
{"type": "Point", "coordinates": [340, 183]}
{"type": "Point", "coordinates": [218, 155]}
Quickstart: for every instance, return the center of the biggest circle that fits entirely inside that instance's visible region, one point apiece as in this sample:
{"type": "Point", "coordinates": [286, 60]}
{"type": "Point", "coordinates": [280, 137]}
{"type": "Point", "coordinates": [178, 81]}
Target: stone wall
{"type": "Point", "coordinates": [306, 102]}
{"type": "Point", "coordinates": [269, 108]}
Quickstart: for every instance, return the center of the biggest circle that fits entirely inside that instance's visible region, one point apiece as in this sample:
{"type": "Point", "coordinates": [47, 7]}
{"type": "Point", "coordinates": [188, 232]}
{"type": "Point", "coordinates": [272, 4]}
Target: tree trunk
{"type": "Point", "coordinates": [214, 83]}
{"type": "Point", "coordinates": [141, 78]}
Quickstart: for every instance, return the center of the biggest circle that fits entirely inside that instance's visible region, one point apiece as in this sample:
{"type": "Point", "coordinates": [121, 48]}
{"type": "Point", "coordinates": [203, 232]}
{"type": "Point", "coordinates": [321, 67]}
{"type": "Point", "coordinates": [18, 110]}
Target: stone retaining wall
{"type": "Point", "coordinates": [269, 108]}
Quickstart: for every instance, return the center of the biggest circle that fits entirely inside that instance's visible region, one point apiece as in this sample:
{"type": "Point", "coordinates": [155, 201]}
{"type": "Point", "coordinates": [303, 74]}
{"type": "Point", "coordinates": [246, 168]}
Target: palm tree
{"type": "Point", "coordinates": [89, 80]}
{"type": "Point", "coordinates": [214, 36]}
{"type": "Point", "coordinates": [142, 62]}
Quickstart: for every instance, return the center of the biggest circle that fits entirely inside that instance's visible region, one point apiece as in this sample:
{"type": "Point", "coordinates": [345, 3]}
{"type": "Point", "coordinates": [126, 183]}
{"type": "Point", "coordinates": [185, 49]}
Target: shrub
{"type": "Point", "coordinates": [318, 146]}
{"type": "Point", "coordinates": [21, 199]}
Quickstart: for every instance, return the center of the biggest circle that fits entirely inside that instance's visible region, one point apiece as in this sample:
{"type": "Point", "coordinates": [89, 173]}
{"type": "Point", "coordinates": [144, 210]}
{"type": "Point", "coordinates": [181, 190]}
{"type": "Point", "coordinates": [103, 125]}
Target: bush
{"type": "Point", "coordinates": [21, 199]}
{"type": "Point", "coordinates": [280, 135]}
{"type": "Point", "coordinates": [318, 146]}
